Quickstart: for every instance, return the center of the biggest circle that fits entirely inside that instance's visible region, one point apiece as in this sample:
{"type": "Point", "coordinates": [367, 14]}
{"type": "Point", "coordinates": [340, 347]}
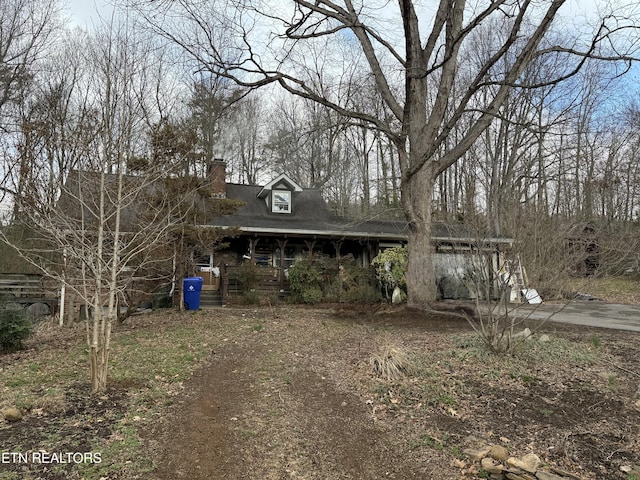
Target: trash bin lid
{"type": "Point", "coordinates": [193, 284]}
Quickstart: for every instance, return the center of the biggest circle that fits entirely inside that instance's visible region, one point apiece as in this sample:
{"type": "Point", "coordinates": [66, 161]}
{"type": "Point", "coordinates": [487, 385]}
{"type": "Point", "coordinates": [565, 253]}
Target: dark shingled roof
{"type": "Point", "coordinates": [311, 216]}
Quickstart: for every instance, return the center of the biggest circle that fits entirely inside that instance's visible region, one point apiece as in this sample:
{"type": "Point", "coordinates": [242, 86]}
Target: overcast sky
{"type": "Point", "coordinates": [84, 12]}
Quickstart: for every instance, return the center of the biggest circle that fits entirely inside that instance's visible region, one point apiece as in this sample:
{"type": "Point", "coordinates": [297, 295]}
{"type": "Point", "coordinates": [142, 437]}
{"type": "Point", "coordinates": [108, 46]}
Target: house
{"type": "Point", "coordinates": [281, 222]}
{"type": "Point", "coordinates": [278, 224]}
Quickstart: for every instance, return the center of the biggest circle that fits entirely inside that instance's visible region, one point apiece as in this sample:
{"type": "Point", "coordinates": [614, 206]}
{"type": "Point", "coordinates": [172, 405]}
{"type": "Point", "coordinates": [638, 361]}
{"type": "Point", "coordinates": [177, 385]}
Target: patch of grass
{"type": "Point", "coordinates": [118, 455]}
{"type": "Point", "coordinates": [23, 402]}
{"type": "Point", "coordinates": [614, 289]}
{"type": "Point", "coordinates": [419, 391]}
{"type": "Point", "coordinates": [428, 441]}
{"type": "Point", "coordinates": [151, 362]}
{"type": "Point", "coordinates": [558, 350]}
{"type": "Point", "coordinates": [527, 378]}
{"type": "Point", "coordinates": [257, 328]}
{"type": "Point", "coordinates": [53, 438]}
{"type": "Point", "coordinates": [157, 355]}
{"type": "Point", "coordinates": [24, 381]}
{"type": "Point", "coordinates": [9, 476]}
{"type": "Point", "coordinates": [471, 346]}
{"type": "Point", "coordinates": [380, 390]}
{"type": "Point", "coordinates": [391, 363]}
{"type": "Point", "coordinates": [247, 434]}
{"type": "Point", "coordinates": [158, 363]}
{"type": "Point", "coordinates": [189, 357]}
{"type": "Point", "coordinates": [613, 381]}
{"type": "Point", "coordinates": [529, 352]}
{"type": "Point", "coordinates": [16, 382]}
{"type": "Point", "coordinates": [414, 443]}
{"type": "Point", "coordinates": [456, 451]}
{"type": "Point", "coordinates": [447, 400]}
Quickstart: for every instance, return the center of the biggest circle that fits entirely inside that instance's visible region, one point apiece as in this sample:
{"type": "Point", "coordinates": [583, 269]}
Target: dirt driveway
{"type": "Point", "coordinates": [270, 405]}
{"type": "Point", "coordinates": [290, 394]}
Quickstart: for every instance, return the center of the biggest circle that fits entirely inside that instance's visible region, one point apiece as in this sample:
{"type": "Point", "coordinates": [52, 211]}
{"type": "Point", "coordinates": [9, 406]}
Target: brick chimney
{"type": "Point", "coordinates": [217, 176]}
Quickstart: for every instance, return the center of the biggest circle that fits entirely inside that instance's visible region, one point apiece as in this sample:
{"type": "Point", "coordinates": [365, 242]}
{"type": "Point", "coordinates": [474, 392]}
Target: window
{"type": "Point", "coordinates": [281, 201]}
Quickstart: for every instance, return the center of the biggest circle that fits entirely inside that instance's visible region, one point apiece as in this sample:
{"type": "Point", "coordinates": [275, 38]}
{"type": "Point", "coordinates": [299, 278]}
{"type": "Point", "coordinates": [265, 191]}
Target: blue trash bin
{"type": "Point", "coordinates": [192, 287]}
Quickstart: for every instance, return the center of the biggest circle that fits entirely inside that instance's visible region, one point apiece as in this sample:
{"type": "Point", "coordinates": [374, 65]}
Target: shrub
{"type": "Point", "coordinates": [247, 275]}
{"type": "Point", "coordinates": [391, 269]}
{"type": "Point", "coordinates": [312, 295]}
{"type": "Point", "coordinates": [366, 293]}
{"type": "Point", "coordinates": [357, 283]}
{"type": "Point", "coordinates": [15, 327]}
{"type": "Point", "coordinates": [306, 278]}
{"type": "Point", "coordinates": [250, 297]}
{"type": "Point", "coordinates": [319, 278]}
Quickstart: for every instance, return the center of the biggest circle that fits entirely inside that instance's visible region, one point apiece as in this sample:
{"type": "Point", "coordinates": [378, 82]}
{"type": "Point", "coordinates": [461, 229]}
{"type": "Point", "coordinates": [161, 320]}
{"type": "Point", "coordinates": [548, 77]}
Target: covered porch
{"type": "Point", "coordinates": [260, 262]}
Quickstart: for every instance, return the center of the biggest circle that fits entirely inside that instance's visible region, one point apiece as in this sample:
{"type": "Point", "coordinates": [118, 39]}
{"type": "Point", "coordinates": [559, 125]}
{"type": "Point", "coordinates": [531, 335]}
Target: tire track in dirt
{"type": "Point", "coordinates": [199, 443]}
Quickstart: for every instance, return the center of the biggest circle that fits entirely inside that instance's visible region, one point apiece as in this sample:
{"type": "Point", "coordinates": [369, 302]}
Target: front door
{"type": "Point", "coordinates": [210, 274]}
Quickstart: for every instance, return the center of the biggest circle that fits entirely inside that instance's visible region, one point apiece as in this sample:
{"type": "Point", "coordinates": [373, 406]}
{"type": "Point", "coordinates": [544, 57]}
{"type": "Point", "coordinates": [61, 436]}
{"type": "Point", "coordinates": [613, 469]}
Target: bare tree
{"type": "Point", "coordinates": [427, 66]}
{"type": "Point", "coordinates": [210, 106]}
{"type": "Point", "coordinates": [245, 142]}
{"type": "Point", "coordinates": [306, 141]}
{"type": "Point", "coordinates": [26, 29]}
{"type": "Point", "coordinates": [84, 217]}
{"type": "Point", "coordinates": [54, 126]}
{"type": "Point", "coordinates": [117, 87]}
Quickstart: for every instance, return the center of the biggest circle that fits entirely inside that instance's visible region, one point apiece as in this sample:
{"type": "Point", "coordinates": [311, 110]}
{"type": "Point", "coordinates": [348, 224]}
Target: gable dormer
{"type": "Point", "coordinates": [279, 194]}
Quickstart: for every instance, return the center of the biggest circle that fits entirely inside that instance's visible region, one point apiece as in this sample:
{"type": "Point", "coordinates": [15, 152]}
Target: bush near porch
{"type": "Point", "coordinates": [318, 278]}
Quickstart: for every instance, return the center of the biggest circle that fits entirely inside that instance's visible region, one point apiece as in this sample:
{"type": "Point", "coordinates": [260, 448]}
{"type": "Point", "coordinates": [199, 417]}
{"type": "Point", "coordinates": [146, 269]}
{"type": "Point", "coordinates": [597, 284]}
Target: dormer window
{"type": "Point", "coordinates": [279, 193]}
{"type": "Point", "coordinates": [281, 201]}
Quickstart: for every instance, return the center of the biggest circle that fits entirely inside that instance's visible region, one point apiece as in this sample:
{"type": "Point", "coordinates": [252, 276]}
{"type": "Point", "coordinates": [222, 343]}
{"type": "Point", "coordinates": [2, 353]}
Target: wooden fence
{"type": "Point", "coordinates": [26, 289]}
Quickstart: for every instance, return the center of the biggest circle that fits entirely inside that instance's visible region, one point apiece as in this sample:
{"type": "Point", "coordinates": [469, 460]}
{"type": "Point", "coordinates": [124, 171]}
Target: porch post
{"type": "Point", "coordinates": [224, 283]}
{"type": "Point", "coordinates": [337, 244]}
{"type": "Point", "coordinates": [282, 244]}
{"type": "Point", "coordinates": [253, 243]}
{"type": "Point", "coordinates": [370, 249]}
{"type": "Point", "coordinates": [310, 245]}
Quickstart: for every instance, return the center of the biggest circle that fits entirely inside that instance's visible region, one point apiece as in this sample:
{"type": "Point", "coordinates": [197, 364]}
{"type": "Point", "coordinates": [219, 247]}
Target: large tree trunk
{"type": "Point", "coordinates": [417, 193]}
{"type": "Point", "coordinates": [421, 282]}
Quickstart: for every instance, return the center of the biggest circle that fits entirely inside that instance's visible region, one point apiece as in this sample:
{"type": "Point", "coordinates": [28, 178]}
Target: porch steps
{"type": "Point", "coordinates": [210, 299]}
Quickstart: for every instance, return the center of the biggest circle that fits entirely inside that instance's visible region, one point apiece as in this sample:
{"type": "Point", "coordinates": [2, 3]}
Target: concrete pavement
{"type": "Point", "coordinates": [589, 313]}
